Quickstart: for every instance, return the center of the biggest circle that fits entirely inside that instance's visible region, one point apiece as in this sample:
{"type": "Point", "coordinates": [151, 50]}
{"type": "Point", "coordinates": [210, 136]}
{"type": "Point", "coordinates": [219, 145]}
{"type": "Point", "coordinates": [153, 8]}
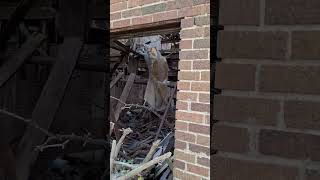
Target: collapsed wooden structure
{"type": "Point", "coordinates": [45, 33]}
{"type": "Point", "coordinates": [151, 136]}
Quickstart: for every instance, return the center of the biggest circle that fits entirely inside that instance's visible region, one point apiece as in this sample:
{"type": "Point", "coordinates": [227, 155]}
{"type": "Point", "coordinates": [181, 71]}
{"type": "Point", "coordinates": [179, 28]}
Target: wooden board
{"type": "Point", "coordinates": [162, 27]}
{"type": "Point", "coordinates": [48, 104]}
{"type": "Point", "coordinates": [124, 96]}
{"type": "Point", "coordinates": [13, 64]}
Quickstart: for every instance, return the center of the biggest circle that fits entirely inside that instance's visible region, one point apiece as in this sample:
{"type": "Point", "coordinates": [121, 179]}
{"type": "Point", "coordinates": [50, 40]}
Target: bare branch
{"type": "Point", "coordinates": [129, 106]}
{"type": "Point", "coordinates": [72, 137]}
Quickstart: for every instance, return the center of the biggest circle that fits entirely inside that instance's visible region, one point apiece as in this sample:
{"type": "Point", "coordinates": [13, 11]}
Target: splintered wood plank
{"type": "Point", "coordinates": [116, 79]}
{"type": "Point", "coordinates": [48, 104]}
{"type": "Point", "coordinates": [11, 66]}
{"type": "Point", "coordinates": [124, 96]}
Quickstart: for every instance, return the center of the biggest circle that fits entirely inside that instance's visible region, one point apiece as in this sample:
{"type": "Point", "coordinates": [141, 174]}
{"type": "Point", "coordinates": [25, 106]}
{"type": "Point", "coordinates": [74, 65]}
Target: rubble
{"type": "Point", "coordinates": [147, 119]}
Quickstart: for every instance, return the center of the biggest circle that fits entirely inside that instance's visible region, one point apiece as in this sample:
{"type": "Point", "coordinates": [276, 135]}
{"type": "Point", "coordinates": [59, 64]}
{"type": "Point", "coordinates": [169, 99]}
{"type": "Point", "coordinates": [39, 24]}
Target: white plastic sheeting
{"type": "Point", "coordinates": [157, 91]}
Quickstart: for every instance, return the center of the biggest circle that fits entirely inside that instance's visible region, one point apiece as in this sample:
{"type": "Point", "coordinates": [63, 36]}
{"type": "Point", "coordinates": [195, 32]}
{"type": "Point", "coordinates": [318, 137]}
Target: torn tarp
{"type": "Point", "coordinates": [157, 91]}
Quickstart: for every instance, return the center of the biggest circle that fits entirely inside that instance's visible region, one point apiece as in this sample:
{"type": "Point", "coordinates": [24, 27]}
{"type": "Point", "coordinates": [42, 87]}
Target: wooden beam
{"type": "Point", "coordinates": [91, 65]}
{"type": "Point", "coordinates": [115, 80]}
{"type": "Point", "coordinates": [10, 67]}
{"type": "Point", "coordinates": [162, 27]}
{"type": "Point", "coordinates": [124, 96]}
{"type": "Point", "coordinates": [47, 105]}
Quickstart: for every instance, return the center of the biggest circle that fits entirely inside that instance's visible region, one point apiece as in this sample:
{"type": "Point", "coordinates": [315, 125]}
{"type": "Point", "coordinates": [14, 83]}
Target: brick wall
{"type": "Point", "coordinates": [269, 109]}
{"type": "Point", "coordinates": [192, 125]}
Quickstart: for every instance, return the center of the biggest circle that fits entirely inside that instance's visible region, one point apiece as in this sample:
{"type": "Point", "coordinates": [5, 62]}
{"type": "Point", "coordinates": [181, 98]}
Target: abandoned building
{"type": "Point", "coordinates": [53, 78]}
{"type": "Point", "coordinates": [167, 42]}
{"type": "Point", "coordinates": [71, 102]}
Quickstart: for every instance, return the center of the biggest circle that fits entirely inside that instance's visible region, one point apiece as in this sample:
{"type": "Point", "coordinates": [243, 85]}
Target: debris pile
{"type": "Point", "coordinates": [145, 148]}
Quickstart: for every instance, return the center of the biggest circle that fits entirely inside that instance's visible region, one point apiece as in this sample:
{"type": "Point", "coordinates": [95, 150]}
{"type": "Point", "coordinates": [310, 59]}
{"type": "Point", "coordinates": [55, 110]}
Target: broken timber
{"type": "Point", "coordinates": [11, 66]}
{"type": "Point", "coordinates": [120, 104]}
{"type": "Point", "coordinates": [113, 82]}
{"type": "Point", "coordinates": [47, 104]}
{"type": "Point", "coordinates": [95, 66]}
{"type": "Point", "coordinates": [124, 96]}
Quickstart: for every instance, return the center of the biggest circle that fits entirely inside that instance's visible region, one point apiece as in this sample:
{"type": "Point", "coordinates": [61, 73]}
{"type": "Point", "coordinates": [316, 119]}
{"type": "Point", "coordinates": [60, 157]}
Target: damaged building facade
{"type": "Point", "coordinates": [175, 34]}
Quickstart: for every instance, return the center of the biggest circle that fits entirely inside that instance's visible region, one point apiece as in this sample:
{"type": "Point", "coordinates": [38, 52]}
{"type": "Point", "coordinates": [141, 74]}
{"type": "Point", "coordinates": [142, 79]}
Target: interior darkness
{"type": "Point", "coordinates": [60, 82]}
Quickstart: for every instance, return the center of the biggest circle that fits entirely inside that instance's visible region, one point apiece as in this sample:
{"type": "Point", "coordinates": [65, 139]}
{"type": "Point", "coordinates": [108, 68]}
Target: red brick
{"type": "Point", "coordinates": [188, 22]}
{"type": "Point", "coordinates": [133, 3]}
{"type": "Point", "coordinates": [183, 136]}
{"type": "Point", "coordinates": [165, 16]}
{"type": "Point", "coordinates": [302, 114]}
{"type": "Point", "coordinates": [185, 65]}
{"type": "Point", "coordinates": [115, 16]}
{"type": "Point", "coordinates": [178, 4]}
{"type": "Point", "coordinates": [206, 32]}
{"type": "Point", "coordinates": [116, 1]}
{"type": "Point", "coordinates": [204, 98]}
{"type": "Point", "coordinates": [131, 13]}
{"type": "Point", "coordinates": [182, 105]}
{"type": "Point", "coordinates": [199, 149]}
{"type": "Point", "coordinates": [202, 20]}
{"type": "Point", "coordinates": [118, 6]}
{"type": "Point", "coordinates": [203, 161]}
{"type": "Point", "coordinates": [201, 43]}
{"type": "Point", "coordinates": [237, 12]}
{"type": "Point", "coordinates": [205, 76]}
{"type": "Point", "coordinates": [305, 45]}
{"type": "Point", "coordinates": [201, 129]}
{"type": "Point", "coordinates": [142, 20]}
{"type": "Point", "coordinates": [121, 23]}
{"type": "Point", "coordinates": [145, 2]}
{"type": "Point", "coordinates": [198, 2]}
{"type": "Point", "coordinates": [188, 96]}
{"type": "Point", "coordinates": [182, 126]}
{"type": "Point", "coordinates": [198, 170]}
{"type": "Point", "coordinates": [231, 169]}
{"type": "Point", "coordinates": [194, 54]}
{"type": "Point", "coordinates": [289, 144]}
{"type": "Point", "coordinates": [192, 33]}
{"type": "Point", "coordinates": [201, 65]}
{"type": "Point", "coordinates": [246, 110]}
{"type": "Point", "coordinates": [290, 79]}
{"type": "Point", "coordinates": [185, 12]}
{"type": "Point", "coordinates": [183, 86]}
{"type": "Point", "coordinates": [203, 140]}
{"type": "Point", "coordinates": [179, 164]}
{"type": "Point", "coordinates": [191, 117]}
{"type": "Point", "coordinates": [235, 76]}
{"type": "Point", "coordinates": [184, 175]}
{"type": "Point", "coordinates": [252, 44]}
{"type": "Point", "coordinates": [200, 107]}
{"type": "Point", "coordinates": [201, 9]}
{"type": "Point", "coordinates": [188, 75]}
{"type": "Point", "coordinates": [230, 139]}
{"type": "Point", "coordinates": [180, 145]}
{"type": "Point", "coordinates": [292, 12]}
{"type": "Point", "coordinates": [180, 155]}
{"type": "Point", "coordinates": [186, 44]}
{"type": "Point", "coordinates": [200, 86]}
{"type": "Point", "coordinates": [190, 11]}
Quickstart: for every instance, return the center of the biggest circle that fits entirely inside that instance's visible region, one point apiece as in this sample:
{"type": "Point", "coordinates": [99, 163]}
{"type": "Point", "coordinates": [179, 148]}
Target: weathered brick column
{"type": "Point", "coordinates": [192, 125]}
{"type": "Point", "coordinates": [269, 109]}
